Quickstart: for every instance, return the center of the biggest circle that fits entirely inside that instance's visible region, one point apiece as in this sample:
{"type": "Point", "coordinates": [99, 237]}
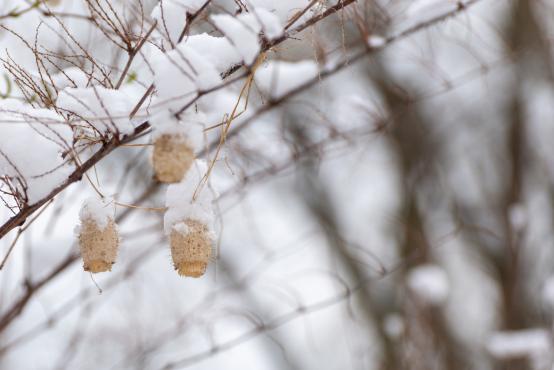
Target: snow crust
{"type": "Point", "coordinates": [216, 50]}
{"type": "Point", "coordinates": [101, 211]}
{"type": "Point", "coordinates": [181, 73]}
{"type": "Point", "coordinates": [170, 15]}
{"type": "Point", "coordinates": [376, 41]}
{"type": "Point", "coordinates": [271, 24]}
{"type": "Point", "coordinates": [242, 31]}
{"type": "Point", "coordinates": [106, 110]}
{"type": "Point", "coordinates": [182, 228]}
{"type": "Point", "coordinates": [190, 127]}
{"type": "Point", "coordinates": [70, 77]}
{"type": "Point", "coordinates": [521, 343]}
{"type": "Point", "coordinates": [42, 168]}
{"type": "Point", "coordinates": [277, 78]}
{"type": "Point", "coordinates": [182, 205]}
{"type": "Point", "coordinates": [429, 283]}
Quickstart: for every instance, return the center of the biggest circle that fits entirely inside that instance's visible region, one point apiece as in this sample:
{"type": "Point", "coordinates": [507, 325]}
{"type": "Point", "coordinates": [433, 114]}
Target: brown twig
{"type": "Point", "coordinates": [115, 142]}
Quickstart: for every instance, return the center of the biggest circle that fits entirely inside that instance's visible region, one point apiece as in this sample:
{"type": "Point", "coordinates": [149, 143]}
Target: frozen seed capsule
{"type": "Point", "coordinates": [172, 158]}
{"type": "Point", "coordinates": [191, 247]}
{"type": "Point", "coordinates": [98, 236]}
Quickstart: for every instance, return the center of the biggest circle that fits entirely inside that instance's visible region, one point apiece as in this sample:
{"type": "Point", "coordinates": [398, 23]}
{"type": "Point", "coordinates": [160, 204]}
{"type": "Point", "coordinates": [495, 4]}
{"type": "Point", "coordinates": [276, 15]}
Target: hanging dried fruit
{"type": "Point", "coordinates": [191, 247]}
{"type": "Point", "coordinates": [98, 236]}
{"type": "Point", "coordinates": [189, 222]}
{"type": "Point", "coordinates": [172, 158]}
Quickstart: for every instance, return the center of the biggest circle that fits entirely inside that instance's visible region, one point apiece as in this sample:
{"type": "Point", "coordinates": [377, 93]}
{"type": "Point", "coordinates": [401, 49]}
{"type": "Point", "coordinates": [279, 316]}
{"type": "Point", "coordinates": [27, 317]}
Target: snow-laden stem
{"type": "Point", "coordinates": [115, 142]}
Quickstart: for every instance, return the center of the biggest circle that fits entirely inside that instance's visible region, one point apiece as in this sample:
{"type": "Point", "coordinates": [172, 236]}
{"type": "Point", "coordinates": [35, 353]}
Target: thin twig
{"type": "Point", "coordinates": [20, 231]}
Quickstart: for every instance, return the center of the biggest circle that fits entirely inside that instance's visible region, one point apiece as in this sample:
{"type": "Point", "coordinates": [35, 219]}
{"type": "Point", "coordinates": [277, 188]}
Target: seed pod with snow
{"type": "Point", "coordinates": [172, 158]}
{"type": "Point", "coordinates": [189, 223]}
{"type": "Point", "coordinates": [175, 143]}
{"type": "Point", "coordinates": [98, 235]}
{"type": "Point", "coordinates": [191, 247]}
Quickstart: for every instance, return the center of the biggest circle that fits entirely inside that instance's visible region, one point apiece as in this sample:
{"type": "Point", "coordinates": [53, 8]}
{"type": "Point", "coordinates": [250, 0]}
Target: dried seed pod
{"type": "Point", "coordinates": [191, 247]}
{"type": "Point", "coordinates": [172, 158]}
{"type": "Point", "coordinates": [98, 236]}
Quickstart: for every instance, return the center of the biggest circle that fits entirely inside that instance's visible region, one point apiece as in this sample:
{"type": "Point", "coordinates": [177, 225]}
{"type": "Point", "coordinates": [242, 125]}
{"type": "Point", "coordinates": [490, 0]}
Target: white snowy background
{"type": "Point", "coordinates": [318, 264]}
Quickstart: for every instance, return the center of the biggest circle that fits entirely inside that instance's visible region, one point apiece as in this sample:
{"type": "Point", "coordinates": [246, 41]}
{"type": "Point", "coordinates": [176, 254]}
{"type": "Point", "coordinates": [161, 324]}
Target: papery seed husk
{"type": "Point", "coordinates": [172, 158]}
{"type": "Point", "coordinates": [191, 251]}
{"type": "Point", "coordinates": [98, 246]}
